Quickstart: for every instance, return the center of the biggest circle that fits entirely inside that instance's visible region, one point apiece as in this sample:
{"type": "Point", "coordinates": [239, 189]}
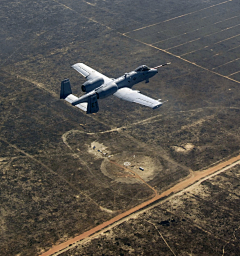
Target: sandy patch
{"type": "Point", "coordinates": [98, 150]}
{"type": "Point", "coordinates": [117, 173]}
{"type": "Point", "coordinates": [184, 149]}
{"type": "Point", "coordinates": [147, 164]}
{"type": "Point", "coordinates": [130, 170]}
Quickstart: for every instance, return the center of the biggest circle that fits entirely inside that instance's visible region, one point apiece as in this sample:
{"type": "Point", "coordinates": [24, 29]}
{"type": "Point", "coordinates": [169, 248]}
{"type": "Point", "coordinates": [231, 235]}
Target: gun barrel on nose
{"type": "Point", "coordinates": [162, 65]}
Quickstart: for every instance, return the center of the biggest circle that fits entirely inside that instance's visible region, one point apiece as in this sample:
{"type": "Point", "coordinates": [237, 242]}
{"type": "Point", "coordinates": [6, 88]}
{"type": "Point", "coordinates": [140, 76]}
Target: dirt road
{"type": "Point", "coordinates": [190, 180]}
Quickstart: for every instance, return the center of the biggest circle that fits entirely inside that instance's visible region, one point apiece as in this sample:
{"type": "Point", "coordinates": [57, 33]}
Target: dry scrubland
{"type": "Point", "coordinates": [203, 220]}
{"type": "Point", "coordinates": [55, 186]}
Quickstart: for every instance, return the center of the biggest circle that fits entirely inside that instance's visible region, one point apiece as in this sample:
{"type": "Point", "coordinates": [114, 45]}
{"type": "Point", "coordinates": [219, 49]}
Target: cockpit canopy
{"type": "Point", "coordinates": [142, 68]}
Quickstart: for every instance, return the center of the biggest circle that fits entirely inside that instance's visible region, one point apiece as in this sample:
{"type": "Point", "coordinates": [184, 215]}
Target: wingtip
{"type": "Point", "coordinates": [158, 106]}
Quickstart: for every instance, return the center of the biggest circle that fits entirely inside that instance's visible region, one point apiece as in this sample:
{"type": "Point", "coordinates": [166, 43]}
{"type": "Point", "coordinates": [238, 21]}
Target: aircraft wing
{"type": "Point", "coordinates": [88, 72]}
{"type": "Point", "coordinates": [135, 96]}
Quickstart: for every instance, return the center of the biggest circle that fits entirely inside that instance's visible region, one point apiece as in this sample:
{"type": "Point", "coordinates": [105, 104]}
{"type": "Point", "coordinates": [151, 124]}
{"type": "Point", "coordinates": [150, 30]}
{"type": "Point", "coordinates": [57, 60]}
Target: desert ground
{"type": "Point", "coordinates": [64, 172]}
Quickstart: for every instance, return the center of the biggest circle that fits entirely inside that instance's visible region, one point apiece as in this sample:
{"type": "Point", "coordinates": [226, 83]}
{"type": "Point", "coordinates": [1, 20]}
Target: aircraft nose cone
{"type": "Point", "coordinates": [154, 70]}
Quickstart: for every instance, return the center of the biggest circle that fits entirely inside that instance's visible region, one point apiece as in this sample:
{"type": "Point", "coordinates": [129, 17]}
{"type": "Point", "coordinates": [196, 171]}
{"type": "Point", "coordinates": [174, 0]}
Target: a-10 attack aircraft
{"type": "Point", "coordinates": [99, 86]}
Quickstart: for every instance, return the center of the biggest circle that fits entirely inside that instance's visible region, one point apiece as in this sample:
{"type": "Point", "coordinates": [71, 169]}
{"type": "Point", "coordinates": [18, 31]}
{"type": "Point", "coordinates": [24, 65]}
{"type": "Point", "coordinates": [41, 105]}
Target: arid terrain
{"type": "Point", "coordinates": [64, 172]}
{"type": "Point", "coordinates": [202, 220]}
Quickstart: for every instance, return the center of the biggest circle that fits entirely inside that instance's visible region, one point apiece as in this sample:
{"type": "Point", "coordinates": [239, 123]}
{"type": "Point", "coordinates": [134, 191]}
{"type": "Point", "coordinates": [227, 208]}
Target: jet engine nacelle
{"type": "Point", "coordinates": [106, 90]}
{"type": "Point", "coordinates": [90, 85]}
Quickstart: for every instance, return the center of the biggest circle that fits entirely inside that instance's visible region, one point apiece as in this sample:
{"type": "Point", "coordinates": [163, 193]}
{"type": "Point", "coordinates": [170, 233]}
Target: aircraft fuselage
{"type": "Point", "coordinates": [133, 77]}
{"type": "Point", "coordinates": [142, 73]}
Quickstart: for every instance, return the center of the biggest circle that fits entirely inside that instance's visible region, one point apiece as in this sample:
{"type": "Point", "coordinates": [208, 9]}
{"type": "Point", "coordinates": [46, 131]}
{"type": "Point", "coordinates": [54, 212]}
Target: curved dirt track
{"type": "Point", "coordinates": [190, 180]}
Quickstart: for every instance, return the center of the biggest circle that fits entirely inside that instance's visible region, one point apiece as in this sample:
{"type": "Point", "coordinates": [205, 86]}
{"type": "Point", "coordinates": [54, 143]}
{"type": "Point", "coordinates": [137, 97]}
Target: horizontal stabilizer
{"type": "Point", "coordinates": [66, 93]}
{"type": "Point", "coordinates": [71, 98]}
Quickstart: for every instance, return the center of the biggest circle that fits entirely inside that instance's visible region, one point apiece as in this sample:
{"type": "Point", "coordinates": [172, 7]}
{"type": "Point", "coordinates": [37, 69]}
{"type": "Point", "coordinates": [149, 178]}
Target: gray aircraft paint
{"type": "Point", "coordinates": [99, 86]}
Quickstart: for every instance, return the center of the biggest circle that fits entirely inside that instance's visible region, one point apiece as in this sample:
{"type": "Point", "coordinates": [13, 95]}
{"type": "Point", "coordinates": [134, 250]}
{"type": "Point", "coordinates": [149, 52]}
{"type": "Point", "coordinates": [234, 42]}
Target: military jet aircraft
{"type": "Point", "coordinates": [99, 86]}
